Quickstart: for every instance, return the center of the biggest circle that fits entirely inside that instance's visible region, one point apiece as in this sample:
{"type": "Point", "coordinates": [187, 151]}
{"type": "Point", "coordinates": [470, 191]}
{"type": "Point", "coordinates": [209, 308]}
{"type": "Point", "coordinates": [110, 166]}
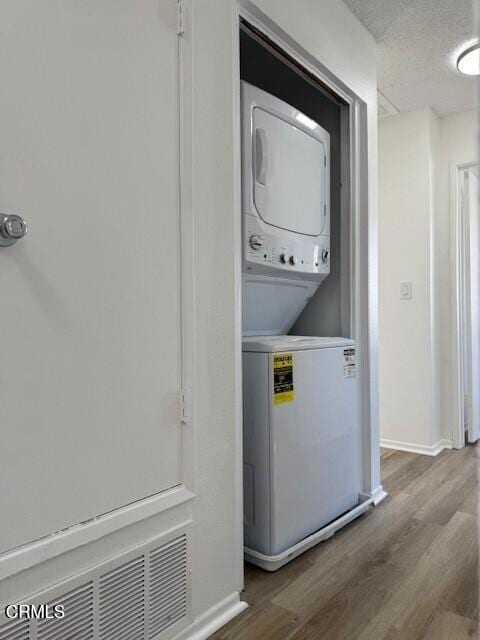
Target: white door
{"type": "Point", "coordinates": [472, 304]}
{"type": "Point", "coordinates": [90, 322]}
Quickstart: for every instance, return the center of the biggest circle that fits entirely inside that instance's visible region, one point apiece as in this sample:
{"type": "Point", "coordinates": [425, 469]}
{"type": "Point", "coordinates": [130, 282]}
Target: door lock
{"type": "Point", "coordinates": [12, 228]}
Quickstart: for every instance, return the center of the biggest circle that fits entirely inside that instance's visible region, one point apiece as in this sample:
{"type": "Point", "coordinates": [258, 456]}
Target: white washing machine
{"type": "Point", "coordinates": [302, 453]}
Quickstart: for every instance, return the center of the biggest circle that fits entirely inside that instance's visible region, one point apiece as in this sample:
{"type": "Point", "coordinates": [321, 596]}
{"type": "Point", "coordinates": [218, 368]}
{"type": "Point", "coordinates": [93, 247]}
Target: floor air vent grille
{"type": "Point", "coordinates": [143, 594]}
{"type": "Point", "coordinates": [77, 623]}
{"type": "Point", "coordinates": [167, 585]}
{"type": "Point", "coordinates": [15, 631]}
{"type": "Point", "coordinates": [122, 602]}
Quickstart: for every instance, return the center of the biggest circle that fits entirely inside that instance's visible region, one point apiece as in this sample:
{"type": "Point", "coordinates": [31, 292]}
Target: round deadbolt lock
{"type": "Point", "coordinates": [12, 228]}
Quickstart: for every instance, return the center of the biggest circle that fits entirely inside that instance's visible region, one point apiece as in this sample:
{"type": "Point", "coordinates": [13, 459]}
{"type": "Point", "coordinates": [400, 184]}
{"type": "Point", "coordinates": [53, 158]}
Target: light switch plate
{"type": "Point", "coordinates": [406, 290]}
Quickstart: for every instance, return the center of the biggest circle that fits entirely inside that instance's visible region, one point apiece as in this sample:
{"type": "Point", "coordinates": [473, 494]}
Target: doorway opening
{"type": "Point", "coordinates": [308, 451]}
{"type": "Point", "coordinates": [466, 298]}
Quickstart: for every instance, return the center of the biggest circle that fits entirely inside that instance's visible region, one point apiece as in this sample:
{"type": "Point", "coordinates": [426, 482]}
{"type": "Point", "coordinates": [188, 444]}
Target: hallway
{"type": "Point", "coordinates": [407, 570]}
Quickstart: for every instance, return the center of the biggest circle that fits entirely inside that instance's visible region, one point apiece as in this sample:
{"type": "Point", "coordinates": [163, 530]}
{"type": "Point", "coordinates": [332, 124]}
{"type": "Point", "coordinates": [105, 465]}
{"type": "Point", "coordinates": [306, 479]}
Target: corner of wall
{"type": "Point", "coordinates": [406, 254]}
{"type": "Point", "coordinates": [437, 235]}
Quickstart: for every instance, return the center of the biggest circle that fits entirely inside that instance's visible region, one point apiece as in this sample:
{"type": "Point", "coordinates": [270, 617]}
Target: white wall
{"type": "Point", "coordinates": [217, 539]}
{"type": "Point", "coordinates": [405, 246]}
{"type": "Point", "coordinates": [416, 153]}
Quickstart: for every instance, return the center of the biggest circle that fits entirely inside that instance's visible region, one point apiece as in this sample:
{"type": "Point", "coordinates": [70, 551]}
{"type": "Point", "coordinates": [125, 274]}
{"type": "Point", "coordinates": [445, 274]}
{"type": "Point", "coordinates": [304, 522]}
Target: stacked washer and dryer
{"type": "Point", "coordinates": [302, 448]}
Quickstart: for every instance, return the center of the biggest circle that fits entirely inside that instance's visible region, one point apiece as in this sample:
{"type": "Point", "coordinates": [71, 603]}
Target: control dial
{"type": "Point", "coordinates": [283, 258]}
{"type": "Point", "coordinates": [324, 256]}
{"type": "Point", "coordinates": [256, 242]}
{"type": "Point", "coordinates": [293, 260]}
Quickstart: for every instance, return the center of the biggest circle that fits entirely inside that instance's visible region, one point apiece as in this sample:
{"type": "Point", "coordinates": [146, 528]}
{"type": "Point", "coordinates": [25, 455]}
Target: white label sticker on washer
{"type": "Point", "coordinates": [349, 363]}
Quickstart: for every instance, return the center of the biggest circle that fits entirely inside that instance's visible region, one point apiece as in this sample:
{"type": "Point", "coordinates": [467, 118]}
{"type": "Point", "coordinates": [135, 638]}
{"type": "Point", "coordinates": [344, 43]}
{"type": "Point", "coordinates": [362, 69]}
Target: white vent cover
{"type": "Point", "coordinates": [78, 620]}
{"type": "Point", "coordinates": [122, 602]}
{"type": "Point", "coordinates": [15, 631]}
{"type": "Point", "coordinates": [144, 594]}
{"type": "Point", "coordinates": [167, 585]}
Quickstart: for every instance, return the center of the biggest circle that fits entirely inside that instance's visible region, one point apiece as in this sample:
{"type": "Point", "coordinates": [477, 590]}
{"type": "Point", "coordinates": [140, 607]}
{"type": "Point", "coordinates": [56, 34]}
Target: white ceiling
{"type": "Point", "coordinates": [417, 42]}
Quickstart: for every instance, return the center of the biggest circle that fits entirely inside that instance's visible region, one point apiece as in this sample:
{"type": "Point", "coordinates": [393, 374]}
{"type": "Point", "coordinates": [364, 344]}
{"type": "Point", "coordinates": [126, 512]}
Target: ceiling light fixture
{"type": "Point", "coordinates": [468, 61]}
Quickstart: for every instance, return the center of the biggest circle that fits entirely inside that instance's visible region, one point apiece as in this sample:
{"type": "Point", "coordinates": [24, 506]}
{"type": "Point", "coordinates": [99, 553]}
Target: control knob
{"type": "Point", "coordinates": [325, 256]}
{"type": "Point", "coordinates": [256, 242]}
{"type": "Point", "coordinates": [293, 260]}
{"type": "Point", "coordinates": [283, 258]}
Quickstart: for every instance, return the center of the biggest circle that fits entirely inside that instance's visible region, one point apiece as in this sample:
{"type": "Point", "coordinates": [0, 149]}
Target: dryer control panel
{"type": "Point", "coordinates": [265, 253]}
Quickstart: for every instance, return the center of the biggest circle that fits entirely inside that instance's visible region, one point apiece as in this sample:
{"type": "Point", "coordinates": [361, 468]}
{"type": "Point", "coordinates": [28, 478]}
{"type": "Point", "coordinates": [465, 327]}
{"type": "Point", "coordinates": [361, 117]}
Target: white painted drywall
{"type": "Point", "coordinates": [332, 34]}
{"type": "Point", "coordinates": [405, 246]}
{"type": "Point", "coordinates": [416, 154]}
{"type": "Point", "coordinates": [217, 539]}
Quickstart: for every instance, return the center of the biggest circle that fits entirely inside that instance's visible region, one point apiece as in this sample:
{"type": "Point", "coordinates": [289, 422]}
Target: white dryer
{"type": "Point", "coordinates": [302, 452]}
{"type": "Point", "coordinates": [286, 211]}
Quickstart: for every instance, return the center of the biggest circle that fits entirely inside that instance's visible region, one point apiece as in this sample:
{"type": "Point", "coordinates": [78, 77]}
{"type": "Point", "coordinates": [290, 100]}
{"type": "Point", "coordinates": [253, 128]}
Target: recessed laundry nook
{"type": "Point", "coordinates": [306, 454]}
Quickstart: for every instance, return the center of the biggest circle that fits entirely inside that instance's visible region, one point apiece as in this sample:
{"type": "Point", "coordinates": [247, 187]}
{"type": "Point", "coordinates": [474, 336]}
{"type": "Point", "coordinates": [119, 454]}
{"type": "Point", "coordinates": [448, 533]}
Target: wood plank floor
{"type": "Point", "coordinates": [406, 570]}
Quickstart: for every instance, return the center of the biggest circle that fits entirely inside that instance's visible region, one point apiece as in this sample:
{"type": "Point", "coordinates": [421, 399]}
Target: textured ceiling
{"type": "Point", "coordinates": [417, 42]}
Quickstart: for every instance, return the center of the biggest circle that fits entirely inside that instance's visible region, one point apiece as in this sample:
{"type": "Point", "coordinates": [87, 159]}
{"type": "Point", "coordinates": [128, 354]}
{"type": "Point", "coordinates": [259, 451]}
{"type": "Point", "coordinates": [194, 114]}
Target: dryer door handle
{"type": "Point", "coordinates": [261, 156]}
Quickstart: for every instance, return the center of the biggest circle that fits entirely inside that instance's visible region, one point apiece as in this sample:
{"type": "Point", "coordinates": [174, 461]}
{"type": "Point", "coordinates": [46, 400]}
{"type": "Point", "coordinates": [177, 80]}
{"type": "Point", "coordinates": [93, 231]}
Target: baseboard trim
{"type": "Point", "coordinates": [213, 619]}
{"type": "Point", "coordinates": [441, 445]}
{"type": "Point", "coordinates": [378, 495]}
{"type": "Point", "coordinates": [421, 449]}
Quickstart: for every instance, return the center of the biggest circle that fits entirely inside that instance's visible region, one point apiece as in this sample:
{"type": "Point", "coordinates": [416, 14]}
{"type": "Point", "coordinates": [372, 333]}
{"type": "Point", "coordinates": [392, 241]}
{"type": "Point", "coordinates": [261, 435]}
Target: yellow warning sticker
{"type": "Point", "coordinates": [283, 378]}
